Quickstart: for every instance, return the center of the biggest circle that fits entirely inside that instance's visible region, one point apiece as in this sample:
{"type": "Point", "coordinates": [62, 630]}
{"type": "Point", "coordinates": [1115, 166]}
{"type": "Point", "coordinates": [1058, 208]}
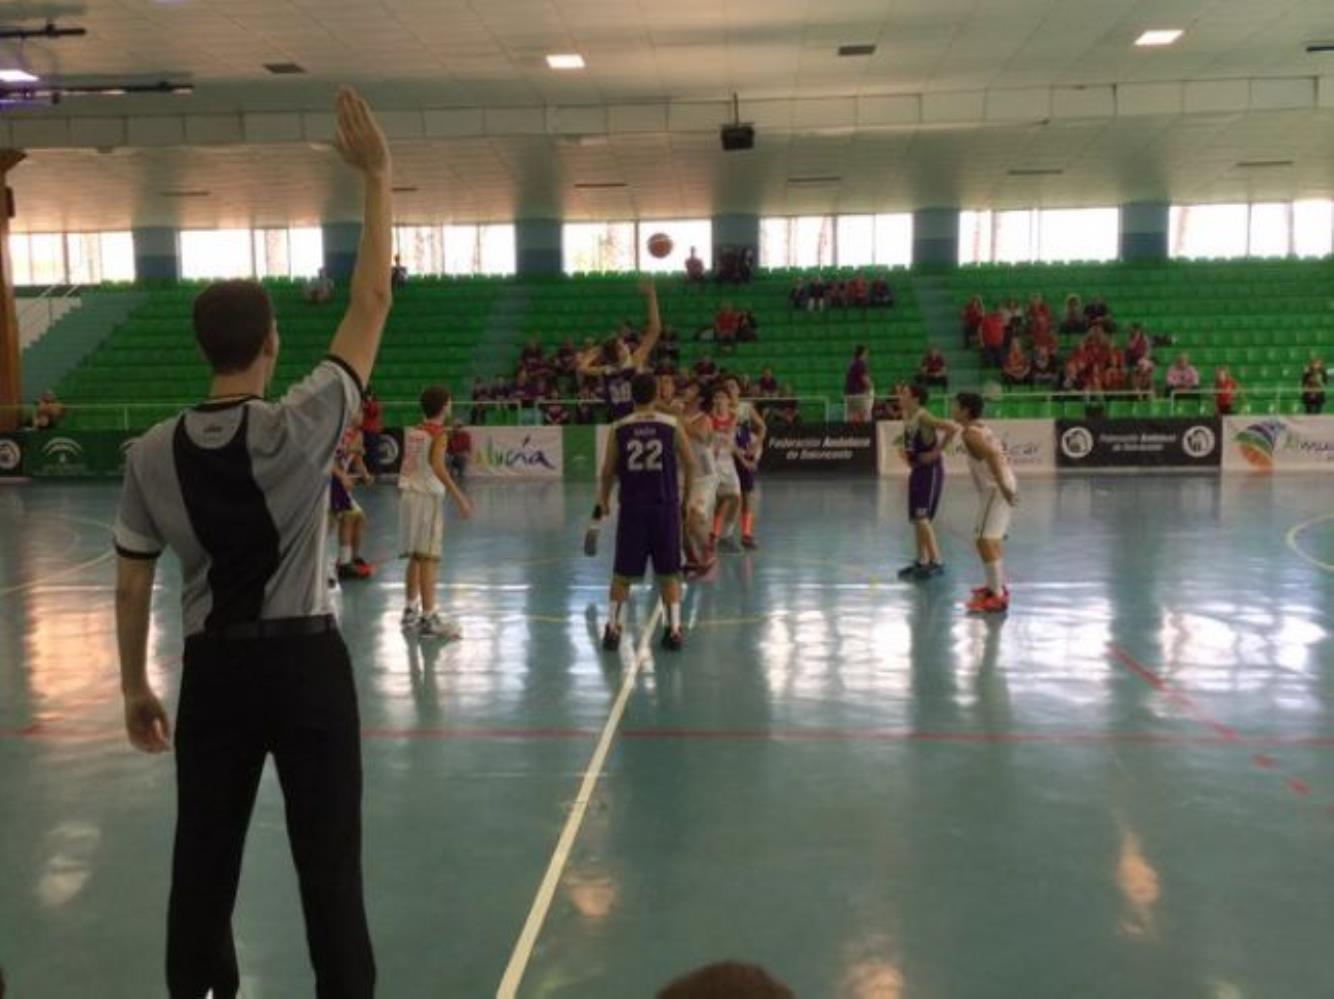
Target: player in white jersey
{"type": "Point", "coordinates": [423, 481]}
{"type": "Point", "coordinates": [751, 431]}
{"type": "Point", "coordinates": [723, 418]}
{"type": "Point", "coordinates": [698, 426]}
{"type": "Point", "coordinates": [998, 491]}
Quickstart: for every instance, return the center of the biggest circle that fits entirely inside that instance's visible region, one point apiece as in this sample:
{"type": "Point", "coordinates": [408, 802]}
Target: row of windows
{"type": "Point", "coordinates": [1278, 229]}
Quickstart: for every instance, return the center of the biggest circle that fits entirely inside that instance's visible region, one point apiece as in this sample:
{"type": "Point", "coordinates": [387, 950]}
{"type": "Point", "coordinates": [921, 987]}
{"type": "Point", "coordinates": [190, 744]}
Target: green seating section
{"type": "Point", "coordinates": [1264, 319]}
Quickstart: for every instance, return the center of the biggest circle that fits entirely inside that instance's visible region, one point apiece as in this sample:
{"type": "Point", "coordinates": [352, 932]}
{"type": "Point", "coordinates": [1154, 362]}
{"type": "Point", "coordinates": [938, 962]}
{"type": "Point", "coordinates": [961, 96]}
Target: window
{"type": "Point", "coordinates": [117, 256]}
{"type": "Point", "coordinates": [881, 240]}
{"type": "Point", "coordinates": [20, 259]}
{"type": "Point", "coordinates": [420, 248]}
{"type": "Point", "coordinates": [1313, 228]}
{"type": "Point", "coordinates": [598, 246]}
{"type": "Point", "coordinates": [1048, 235]}
{"type": "Point", "coordinates": [804, 241]}
{"type": "Point", "coordinates": [71, 258]}
{"type": "Point", "coordinates": [1270, 233]}
{"type": "Point", "coordinates": [284, 253]}
{"type": "Point", "coordinates": [684, 234]}
{"type": "Point", "coordinates": [1208, 230]}
{"type": "Point", "coordinates": [216, 253]}
{"type": "Point", "coordinates": [47, 257]}
{"type": "Point", "coordinates": [479, 249]}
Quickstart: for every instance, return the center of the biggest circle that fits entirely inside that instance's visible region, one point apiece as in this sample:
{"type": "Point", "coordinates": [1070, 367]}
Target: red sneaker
{"type": "Point", "coordinates": [990, 603]}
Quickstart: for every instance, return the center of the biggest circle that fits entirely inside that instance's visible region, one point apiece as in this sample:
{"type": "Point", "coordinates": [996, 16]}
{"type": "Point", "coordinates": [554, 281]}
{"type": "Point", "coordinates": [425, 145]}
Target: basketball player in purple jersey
{"type": "Point", "coordinates": [617, 366]}
{"type": "Point", "coordinates": [642, 456]}
{"type": "Point", "coordinates": [925, 440]}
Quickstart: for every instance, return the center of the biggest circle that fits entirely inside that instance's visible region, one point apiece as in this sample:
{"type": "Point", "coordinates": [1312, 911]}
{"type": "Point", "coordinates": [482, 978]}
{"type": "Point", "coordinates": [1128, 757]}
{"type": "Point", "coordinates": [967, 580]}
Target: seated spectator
{"type": "Point", "coordinates": [725, 325]}
{"type": "Point", "coordinates": [1046, 370]}
{"type": "Point", "coordinates": [1097, 312]}
{"type": "Point", "coordinates": [1072, 378]}
{"type": "Point", "coordinates": [554, 413]}
{"type": "Point", "coordinates": [1038, 311]}
{"type": "Point", "coordinates": [888, 408]}
{"type": "Point", "coordinates": [1014, 331]}
{"type": "Point", "coordinates": [1137, 346]}
{"type": "Point", "coordinates": [590, 402]}
{"type": "Point", "coordinates": [882, 295]}
{"type": "Point", "coordinates": [1313, 391]}
{"type": "Point", "coordinates": [992, 333]}
{"type": "Point", "coordinates": [694, 268]}
{"type": "Point", "coordinates": [705, 370]}
{"type": "Point", "coordinates": [858, 293]}
{"type": "Point", "coordinates": [838, 294]}
{"type": "Point", "coordinates": [398, 274]}
{"type": "Point", "coordinates": [567, 358]}
{"type": "Point", "coordinates": [858, 388]}
{"type": "Point", "coordinates": [768, 384]}
{"type": "Point", "coordinates": [372, 429]}
{"type": "Point", "coordinates": [934, 371]}
{"type": "Point", "coordinates": [1225, 391]}
{"type": "Point", "coordinates": [1074, 320]}
{"type": "Point", "coordinates": [457, 450]}
{"type": "Point", "coordinates": [1040, 331]}
{"type": "Point", "coordinates": [1115, 378]}
{"type": "Point", "coordinates": [786, 415]}
{"type": "Point", "coordinates": [481, 393]}
{"type": "Point", "coordinates": [1182, 379]}
{"type": "Point", "coordinates": [1141, 378]}
{"type": "Point", "coordinates": [748, 328]}
{"type": "Point", "coordinates": [1097, 346]}
{"type": "Point", "coordinates": [50, 411]}
{"type": "Point", "coordinates": [319, 289]}
{"type": "Point", "coordinates": [973, 314]}
{"type": "Point", "coordinates": [669, 347]}
{"type": "Point", "coordinates": [1316, 367]}
{"type": "Point", "coordinates": [1017, 367]}
{"type": "Point", "coordinates": [1011, 311]}
{"type": "Point", "coordinates": [816, 289]}
{"type": "Point", "coordinates": [799, 296]}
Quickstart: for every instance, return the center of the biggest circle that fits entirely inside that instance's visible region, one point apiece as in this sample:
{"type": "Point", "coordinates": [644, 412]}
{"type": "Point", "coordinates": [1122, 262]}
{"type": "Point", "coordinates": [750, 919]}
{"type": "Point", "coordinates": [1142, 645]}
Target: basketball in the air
{"type": "Point", "coordinates": [660, 244]}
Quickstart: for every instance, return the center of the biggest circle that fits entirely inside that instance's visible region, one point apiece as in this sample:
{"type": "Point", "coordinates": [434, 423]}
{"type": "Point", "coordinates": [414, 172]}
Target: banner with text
{"type": "Point", "coordinates": [1181, 442]}
{"type": "Point", "coordinates": [837, 448]}
{"type": "Point", "coordinates": [68, 454]}
{"type": "Point", "coordinates": [516, 452]}
{"type": "Point", "coordinates": [11, 455]}
{"type": "Point", "coordinates": [1278, 443]}
{"type": "Point", "coordinates": [1029, 445]}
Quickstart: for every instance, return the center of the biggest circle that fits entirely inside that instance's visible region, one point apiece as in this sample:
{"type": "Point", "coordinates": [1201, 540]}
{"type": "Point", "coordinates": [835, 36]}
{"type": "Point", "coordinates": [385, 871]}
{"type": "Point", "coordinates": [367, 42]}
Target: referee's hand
{"type": "Point", "coordinates": [147, 723]}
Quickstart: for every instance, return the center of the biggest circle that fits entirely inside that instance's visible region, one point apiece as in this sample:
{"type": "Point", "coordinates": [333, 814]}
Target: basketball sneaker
{"type": "Point", "coordinates": [411, 618]}
{"type": "Point", "coordinates": [436, 625]}
{"type": "Point", "coordinates": [912, 571]}
{"type": "Point", "coordinates": [748, 542]}
{"type": "Point", "coordinates": [728, 545]}
{"type": "Point", "coordinates": [350, 570]}
{"type": "Point", "coordinates": [611, 638]}
{"type": "Point", "coordinates": [990, 603]}
{"type": "Point", "coordinates": [673, 641]}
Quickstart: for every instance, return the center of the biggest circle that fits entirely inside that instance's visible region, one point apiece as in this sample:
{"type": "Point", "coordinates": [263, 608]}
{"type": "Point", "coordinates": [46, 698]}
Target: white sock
{"type": "Point", "coordinates": [615, 619]}
{"type": "Point", "coordinates": [995, 577]}
{"type": "Point", "coordinates": [414, 605]}
{"type": "Point", "coordinates": [673, 617]}
{"type": "Point", "coordinates": [344, 554]}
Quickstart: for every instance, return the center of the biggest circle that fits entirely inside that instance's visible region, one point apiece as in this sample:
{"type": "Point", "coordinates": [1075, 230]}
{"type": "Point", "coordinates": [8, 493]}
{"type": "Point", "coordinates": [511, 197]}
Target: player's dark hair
{"type": "Point", "coordinates": [727, 980]}
{"type": "Point", "coordinates": [231, 320]}
{"type": "Point", "coordinates": [919, 392]}
{"type": "Point", "coordinates": [971, 403]}
{"type": "Point", "coordinates": [434, 400]}
{"type": "Point", "coordinates": [611, 349]}
{"type": "Point", "coordinates": [644, 388]}
{"type": "Point", "coordinates": [859, 350]}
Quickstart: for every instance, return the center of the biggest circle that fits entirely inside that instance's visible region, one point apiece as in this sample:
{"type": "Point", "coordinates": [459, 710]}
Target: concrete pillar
{"type": "Point", "coordinates": [738, 231]}
{"type": "Point", "coordinates": [538, 247]}
{"type": "Point", "coordinates": [1144, 231]}
{"type": "Point", "coordinates": [935, 237]}
{"type": "Point", "coordinates": [341, 240]}
{"type": "Point", "coordinates": [157, 254]}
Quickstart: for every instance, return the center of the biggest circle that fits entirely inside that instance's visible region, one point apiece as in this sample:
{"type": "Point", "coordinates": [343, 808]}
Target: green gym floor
{"type": "Point", "coordinates": [1123, 790]}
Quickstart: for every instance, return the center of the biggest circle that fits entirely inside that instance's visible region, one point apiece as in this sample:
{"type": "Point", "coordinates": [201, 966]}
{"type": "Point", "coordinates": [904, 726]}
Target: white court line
{"type": "Point", "coordinates": [523, 948]}
{"type": "Point", "coordinates": [1294, 533]}
{"type": "Point", "coordinates": [69, 571]}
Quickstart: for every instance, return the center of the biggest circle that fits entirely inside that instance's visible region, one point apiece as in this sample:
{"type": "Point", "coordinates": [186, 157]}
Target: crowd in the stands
{"type": "Point", "coordinates": [818, 293]}
{"type": "Point", "coordinates": [1080, 353]}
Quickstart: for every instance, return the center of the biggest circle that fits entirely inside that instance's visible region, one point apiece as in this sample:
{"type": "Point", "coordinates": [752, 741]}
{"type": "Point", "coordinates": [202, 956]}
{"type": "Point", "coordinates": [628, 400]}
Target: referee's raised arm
{"type": "Point", "coordinates": [362, 145]}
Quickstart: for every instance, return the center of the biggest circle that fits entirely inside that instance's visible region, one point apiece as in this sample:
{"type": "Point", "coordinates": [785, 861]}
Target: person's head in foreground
{"type": "Point", "coordinates": [435, 403]}
{"type": "Point", "coordinates": [235, 328]}
{"type": "Point", "coordinates": [644, 389]}
{"type": "Point", "coordinates": [967, 407]}
{"type": "Point", "coordinates": [912, 397]}
{"type": "Point", "coordinates": [727, 980]}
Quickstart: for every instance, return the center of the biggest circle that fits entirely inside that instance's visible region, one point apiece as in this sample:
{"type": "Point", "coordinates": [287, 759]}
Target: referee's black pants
{"type": "Point", "coordinates": [242, 699]}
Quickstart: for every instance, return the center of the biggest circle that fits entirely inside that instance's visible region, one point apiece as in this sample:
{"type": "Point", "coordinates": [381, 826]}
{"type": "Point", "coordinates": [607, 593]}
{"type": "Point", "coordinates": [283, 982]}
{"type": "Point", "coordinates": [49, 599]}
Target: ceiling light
{"type": "Point", "coordinates": [1159, 37]}
{"type": "Point", "coordinates": [856, 50]}
{"type": "Point", "coordinates": [284, 68]}
{"type": "Point", "coordinates": [566, 60]}
{"type": "Point", "coordinates": [16, 76]}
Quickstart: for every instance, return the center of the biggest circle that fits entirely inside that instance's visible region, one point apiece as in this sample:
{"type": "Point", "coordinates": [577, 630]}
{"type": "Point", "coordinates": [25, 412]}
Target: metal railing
{"type": "Point", "coordinates": [31, 309]}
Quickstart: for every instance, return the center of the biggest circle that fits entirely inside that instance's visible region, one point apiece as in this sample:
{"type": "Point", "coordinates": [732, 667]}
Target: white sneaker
{"type": "Point", "coordinates": [411, 618]}
{"type": "Point", "coordinates": [436, 625]}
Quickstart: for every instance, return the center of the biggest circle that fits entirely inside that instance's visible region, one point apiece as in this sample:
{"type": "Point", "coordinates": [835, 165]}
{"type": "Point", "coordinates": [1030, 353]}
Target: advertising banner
{"type": "Point", "coordinates": [1180, 442]}
{"type": "Point", "coordinates": [1278, 443]}
{"type": "Point", "coordinates": [1030, 445]}
{"type": "Point", "coordinates": [516, 452]}
{"type": "Point", "coordinates": [73, 454]}
{"type": "Point", "coordinates": [11, 455]}
{"type": "Point", "coordinates": [830, 448]}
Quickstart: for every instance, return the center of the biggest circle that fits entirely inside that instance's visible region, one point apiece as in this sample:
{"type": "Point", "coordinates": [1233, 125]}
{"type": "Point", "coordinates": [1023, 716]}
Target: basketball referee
{"type": "Point", "coordinates": [238, 488]}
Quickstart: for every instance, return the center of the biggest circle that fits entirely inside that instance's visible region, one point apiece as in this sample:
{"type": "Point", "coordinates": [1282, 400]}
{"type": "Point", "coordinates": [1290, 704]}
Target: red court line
{"type": "Point", "coordinates": [55, 732]}
{"type": "Point", "coordinates": [1166, 688]}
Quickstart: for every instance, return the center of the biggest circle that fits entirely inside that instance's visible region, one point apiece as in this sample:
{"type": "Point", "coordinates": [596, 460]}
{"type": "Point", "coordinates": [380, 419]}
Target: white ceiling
{"type": "Point", "coordinates": [959, 93]}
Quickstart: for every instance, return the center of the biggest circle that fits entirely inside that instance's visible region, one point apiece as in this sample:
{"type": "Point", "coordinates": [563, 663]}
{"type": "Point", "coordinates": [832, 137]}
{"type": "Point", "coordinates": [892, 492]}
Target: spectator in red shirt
{"type": "Point", "coordinates": [858, 293]}
{"type": "Point", "coordinates": [768, 384]}
{"type": "Point", "coordinates": [725, 325]}
{"type": "Point", "coordinates": [1225, 391]}
{"type": "Point", "coordinates": [531, 355]}
{"type": "Point", "coordinates": [1017, 367]}
{"type": "Point", "coordinates": [992, 332]}
{"type": "Point", "coordinates": [934, 371]}
{"type": "Point", "coordinates": [972, 317]}
{"type": "Point", "coordinates": [1046, 368]}
{"type": "Point", "coordinates": [1042, 336]}
{"type": "Point", "coordinates": [1115, 378]}
{"type": "Point", "coordinates": [694, 268]}
{"type": "Point", "coordinates": [457, 450]}
{"type": "Point", "coordinates": [748, 328]}
{"type": "Point", "coordinates": [372, 427]}
{"type": "Point", "coordinates": [1038, 311]}
{"type": "Point", "coordinates": [1137, 346]}
{"type": "Point", "coordinates": [705, 369]}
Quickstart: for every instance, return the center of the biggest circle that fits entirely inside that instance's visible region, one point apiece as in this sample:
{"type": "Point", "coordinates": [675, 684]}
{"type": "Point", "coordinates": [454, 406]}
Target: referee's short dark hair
{"type": "Point", "coordinates": [232, 320]}
{"type": "Point", "coordinates": [971, 403]}
{"type": "Point", "coordinates": [434, 400]}
{"type": "Point", "coordinates": [643, 388]}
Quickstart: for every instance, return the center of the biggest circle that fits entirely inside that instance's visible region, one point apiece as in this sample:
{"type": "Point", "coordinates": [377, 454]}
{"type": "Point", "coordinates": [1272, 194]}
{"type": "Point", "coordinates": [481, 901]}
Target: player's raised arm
{"type": "Point", "coordinates": [362, 145]}
{"type": "Point", "coordinates": [653, 326]}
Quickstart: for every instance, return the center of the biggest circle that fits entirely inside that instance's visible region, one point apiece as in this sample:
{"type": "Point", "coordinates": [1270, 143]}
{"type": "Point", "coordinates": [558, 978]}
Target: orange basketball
{"type": "Point", "coordinates": [660, 244]}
